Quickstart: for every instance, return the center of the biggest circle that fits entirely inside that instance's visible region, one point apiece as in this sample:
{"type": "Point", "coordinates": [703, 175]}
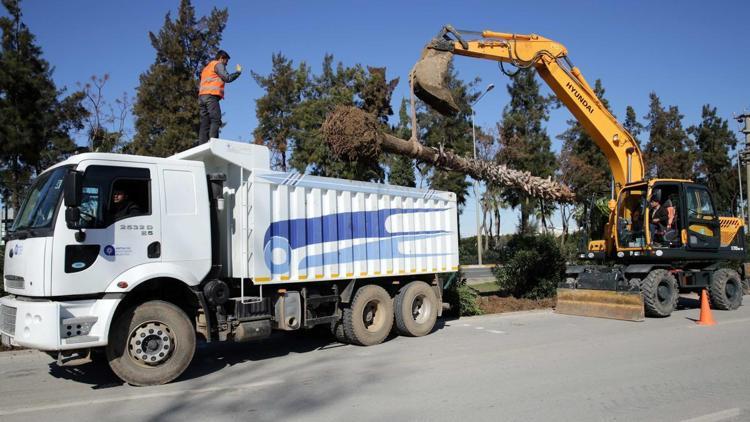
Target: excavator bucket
{"type": "Point", "coordinates": [429, 81]}
{"type": "Point", "coordinates": [627, 306]}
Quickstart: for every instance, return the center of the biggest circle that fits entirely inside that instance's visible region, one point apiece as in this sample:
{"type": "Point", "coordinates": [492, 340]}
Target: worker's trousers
{"type": "Point", "coordinates": [210, 117]}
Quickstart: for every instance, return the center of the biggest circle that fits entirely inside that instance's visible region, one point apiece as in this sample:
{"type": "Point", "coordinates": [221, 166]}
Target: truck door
{"type": "Point", "coordinates": [121, 221]}
{"type": "Point", "coordinates": [703, 227]}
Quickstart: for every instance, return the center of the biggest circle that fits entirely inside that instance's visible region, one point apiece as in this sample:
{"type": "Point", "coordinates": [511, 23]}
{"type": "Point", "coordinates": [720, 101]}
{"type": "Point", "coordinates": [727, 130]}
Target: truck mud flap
{"type": "Point", "coordinates": [626, 306]}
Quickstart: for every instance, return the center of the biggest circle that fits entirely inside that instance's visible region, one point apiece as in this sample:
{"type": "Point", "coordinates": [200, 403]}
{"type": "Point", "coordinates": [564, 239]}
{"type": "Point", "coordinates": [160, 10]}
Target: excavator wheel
{"type": "Point", "coordinates": [725, 290]}
{"type": "Point", "coordinates": [660, 293]}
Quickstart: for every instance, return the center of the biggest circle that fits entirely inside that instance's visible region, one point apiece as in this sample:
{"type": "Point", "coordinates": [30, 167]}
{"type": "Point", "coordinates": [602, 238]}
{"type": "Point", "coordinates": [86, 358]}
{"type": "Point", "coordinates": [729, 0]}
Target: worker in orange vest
{"type": "Point", "coordinates": [213, 78]}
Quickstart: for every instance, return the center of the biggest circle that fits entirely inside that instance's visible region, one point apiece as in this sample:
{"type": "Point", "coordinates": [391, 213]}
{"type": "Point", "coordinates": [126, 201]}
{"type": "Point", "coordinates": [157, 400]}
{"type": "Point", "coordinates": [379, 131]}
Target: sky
{"type": "Point", "coordinates": [689, 52]}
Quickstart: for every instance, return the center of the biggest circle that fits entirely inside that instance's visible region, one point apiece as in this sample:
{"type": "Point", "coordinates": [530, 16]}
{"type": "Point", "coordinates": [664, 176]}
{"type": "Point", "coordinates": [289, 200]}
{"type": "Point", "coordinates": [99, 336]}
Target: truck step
{"type": "Point", "coordinates": [311, 322]}
{"type": "Point", "coordinates": [313, 301]}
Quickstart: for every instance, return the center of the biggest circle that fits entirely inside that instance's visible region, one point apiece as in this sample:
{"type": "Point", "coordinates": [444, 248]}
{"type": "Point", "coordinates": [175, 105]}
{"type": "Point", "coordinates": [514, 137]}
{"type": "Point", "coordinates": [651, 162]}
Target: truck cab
{"type": "Point", "coordinates": [75, 272]}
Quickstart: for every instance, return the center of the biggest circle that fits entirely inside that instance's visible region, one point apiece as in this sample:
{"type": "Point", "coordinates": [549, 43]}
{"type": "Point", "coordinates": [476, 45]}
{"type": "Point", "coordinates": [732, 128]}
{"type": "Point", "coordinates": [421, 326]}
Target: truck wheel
{"type": "Point", "coordinates": [660, 293]}
{"type": "Point", "coordinates": [369, 319]}
{"type": "Point", "coordinates": [337, 329]}
{"type": "Point", "coordinates": [415, 309]}
{"type": "Point", "coordinates": [725, 290]}
{"type": "Point", "coordinates": [151, 344]}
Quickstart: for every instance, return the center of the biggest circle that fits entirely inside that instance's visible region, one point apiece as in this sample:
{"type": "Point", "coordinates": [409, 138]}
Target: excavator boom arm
{"type": "Point", "coordinates": [566, 81]}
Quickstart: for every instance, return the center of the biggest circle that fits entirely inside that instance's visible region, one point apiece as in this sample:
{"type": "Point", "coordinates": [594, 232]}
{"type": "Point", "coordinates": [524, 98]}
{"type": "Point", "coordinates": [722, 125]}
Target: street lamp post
{"type": "Point", "coordinates": [476, 182]}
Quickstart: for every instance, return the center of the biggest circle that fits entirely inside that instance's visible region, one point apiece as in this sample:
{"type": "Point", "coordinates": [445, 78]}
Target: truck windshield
{"type": "Point", "coordinates": [38, 209]}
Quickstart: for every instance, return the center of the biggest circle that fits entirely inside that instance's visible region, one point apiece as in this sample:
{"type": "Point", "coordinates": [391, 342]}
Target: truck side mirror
{"type": "Point", "coordinates": [73, 189]}
{"type": "Point", "coordinates": [73, 217]}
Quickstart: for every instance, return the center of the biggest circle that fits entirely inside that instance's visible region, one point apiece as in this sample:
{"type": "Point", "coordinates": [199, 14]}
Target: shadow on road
{"type": "Point", "coordinates": [212, 357]}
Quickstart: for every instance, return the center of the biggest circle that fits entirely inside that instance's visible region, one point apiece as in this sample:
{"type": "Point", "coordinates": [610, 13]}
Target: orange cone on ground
{"type": "Point", "coordinates": [706, 317]}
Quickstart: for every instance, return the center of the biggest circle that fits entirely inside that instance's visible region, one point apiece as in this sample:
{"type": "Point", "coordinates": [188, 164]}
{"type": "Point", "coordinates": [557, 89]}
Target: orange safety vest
{"type": "Point", "coordinates": [211, 83]}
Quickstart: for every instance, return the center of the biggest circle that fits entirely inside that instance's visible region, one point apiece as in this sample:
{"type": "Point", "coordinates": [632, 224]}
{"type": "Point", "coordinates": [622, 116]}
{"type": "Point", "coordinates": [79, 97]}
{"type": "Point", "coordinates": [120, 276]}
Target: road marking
{"type": "Point", "coordinates": [467, 325]}
{"type": "Point", "coordinates": [497, 331]}
{"type": "Point", "coordinates": [717, 416]}
{"type": "Point", "coordinates": [140, 397]}
{"type": "Point", "coordinates": [731, 321]}
{"type": "Point", "coordinates": [479, 328]}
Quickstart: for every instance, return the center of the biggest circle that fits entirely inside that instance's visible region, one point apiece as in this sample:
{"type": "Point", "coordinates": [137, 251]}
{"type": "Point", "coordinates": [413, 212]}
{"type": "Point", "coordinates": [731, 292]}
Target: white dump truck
{"type": "Point", "coordinates": [142, 256]}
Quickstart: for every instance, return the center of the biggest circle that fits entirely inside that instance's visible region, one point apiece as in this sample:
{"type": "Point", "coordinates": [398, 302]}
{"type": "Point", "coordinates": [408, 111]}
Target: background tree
{"type": "Point", "coordinates": [166, 106]}
{"type": "Point", "coordinates": [632, 125]}
{"type": "Point", "coordinates": [714, 139]}
{"type": "Point", "coordinates": [452, 133]}
{"type": "Point", "coordinates": [105, 122]}
{"type": "Point", "coordinates": [36, 119]}
{"type": "Point", "coordinates": [401, 167]}
{"type": "Point", "coordinates": [342, 85]}
{"type": "Point", "coordinates": [584, 167]}
{"type": "Point", "coordinates": [275, 110]}
{"type": "Point", "coordinates": [669, 153]}
{"type": "Point", "coordinates": [491, 202]}
{"type": "Point", "coordinates": [524, 143]}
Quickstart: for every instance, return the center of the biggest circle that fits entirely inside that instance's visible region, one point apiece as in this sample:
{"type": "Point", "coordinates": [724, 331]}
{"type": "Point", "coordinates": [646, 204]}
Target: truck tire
{"type": "Point", "coordinates": [369, 319]}
{"type": "Point", "coordinates": [337, 329]}
{"type": "Point", "coordinates": [169, 340]}
{"type": "Point", "coordinates": [415, 308]}
{"type": "Point", "coordinates": [725, 290]}
{"type": "Point", "coordinates": [660, 293]}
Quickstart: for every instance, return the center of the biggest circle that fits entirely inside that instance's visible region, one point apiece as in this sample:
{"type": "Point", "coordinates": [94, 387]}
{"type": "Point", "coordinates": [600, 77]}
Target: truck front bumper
{"type": "Point", "coordinates": [51, 325]}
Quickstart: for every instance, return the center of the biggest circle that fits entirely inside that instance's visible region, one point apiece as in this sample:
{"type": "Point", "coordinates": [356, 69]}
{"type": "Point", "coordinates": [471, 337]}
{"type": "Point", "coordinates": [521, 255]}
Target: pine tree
{"type": "Point", "coordinates": [524, 143]}
{"type": "Point", "coordinates": [36, 119]}
{"type": "Point", "coordinates": [166, 107]}
{"type": "Point", "coordinates": [342, 85]}
{"type": "Point", "coordinates": [632, 125]}
{"type": "Point", "coordinates": [669, 152]}
{"type": "Point", "coordinates": [283, 87]}
{"type": "Point", "coordinates": [453, 133]}
{"type": "Point", "coordinates": [714, 140]}
{"type": "Point", "coordinates": [401, 167]}
{"type": "Point", "coordinates": [584, 167]}
{"type": "Point", "coordinates": [375, 92]}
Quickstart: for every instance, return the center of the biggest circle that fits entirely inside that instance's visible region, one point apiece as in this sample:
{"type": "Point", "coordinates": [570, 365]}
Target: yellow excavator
{"type": "Point", "coordinates": [664, 236]}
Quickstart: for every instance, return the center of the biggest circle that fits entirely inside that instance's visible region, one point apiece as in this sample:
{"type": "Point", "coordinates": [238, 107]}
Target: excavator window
{"type": "Point", "coordinates": [630, 221]}
{"type": "Point", "coordinates": [664, 221]}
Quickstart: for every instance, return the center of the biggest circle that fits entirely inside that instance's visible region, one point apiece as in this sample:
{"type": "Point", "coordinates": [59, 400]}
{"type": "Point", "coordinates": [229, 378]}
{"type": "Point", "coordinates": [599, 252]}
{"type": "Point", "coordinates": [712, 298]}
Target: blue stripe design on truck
{"type": "Point", "coordinates": [360, 250]}
{"type": "Point", "coordinates": [288, 235]}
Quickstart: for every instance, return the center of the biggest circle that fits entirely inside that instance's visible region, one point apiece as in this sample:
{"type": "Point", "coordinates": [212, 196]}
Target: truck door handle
{"type": "Point", "coordinates": [154, 250]}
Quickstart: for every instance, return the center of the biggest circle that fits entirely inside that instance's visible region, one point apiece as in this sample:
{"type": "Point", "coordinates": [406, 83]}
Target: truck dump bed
{"type": "Point", "coordinates": [286, 227]}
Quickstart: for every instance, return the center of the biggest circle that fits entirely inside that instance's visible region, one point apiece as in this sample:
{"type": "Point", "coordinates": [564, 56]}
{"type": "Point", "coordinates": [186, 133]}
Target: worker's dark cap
{"type": "Point", "coordinates": [221, 54]}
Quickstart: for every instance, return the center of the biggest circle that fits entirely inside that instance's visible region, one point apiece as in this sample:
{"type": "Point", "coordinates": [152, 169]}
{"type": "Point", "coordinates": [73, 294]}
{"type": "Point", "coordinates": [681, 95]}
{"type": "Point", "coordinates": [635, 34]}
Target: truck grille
{"type": "Point", "coordinates": [14, 282]}
{"type": "Point", "coordinates": [8, 320]}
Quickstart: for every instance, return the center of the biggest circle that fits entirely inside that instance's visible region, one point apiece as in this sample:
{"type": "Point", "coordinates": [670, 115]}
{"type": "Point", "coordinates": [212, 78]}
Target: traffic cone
{"type": "Point", "coordinates": [706, 317]}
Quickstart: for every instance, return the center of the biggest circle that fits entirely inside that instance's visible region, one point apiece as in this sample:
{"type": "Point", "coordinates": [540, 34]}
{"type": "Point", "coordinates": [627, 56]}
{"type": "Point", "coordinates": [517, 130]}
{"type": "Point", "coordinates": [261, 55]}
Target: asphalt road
{"type": "Point", "coordinates": [519, 367]}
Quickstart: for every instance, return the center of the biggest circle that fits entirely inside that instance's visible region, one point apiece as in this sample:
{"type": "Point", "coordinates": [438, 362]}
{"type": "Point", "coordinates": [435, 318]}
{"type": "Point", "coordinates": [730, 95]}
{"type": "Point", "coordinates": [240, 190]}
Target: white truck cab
{"type": "Point", "coordinates": [77, 276]}
{"type": "Point", "coordinates": [141, 256]}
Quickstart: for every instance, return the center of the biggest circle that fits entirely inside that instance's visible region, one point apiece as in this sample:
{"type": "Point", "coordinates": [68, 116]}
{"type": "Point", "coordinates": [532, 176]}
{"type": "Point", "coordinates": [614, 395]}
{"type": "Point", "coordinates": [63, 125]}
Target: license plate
{"type": "Point", "coordinates": [6, 340]}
